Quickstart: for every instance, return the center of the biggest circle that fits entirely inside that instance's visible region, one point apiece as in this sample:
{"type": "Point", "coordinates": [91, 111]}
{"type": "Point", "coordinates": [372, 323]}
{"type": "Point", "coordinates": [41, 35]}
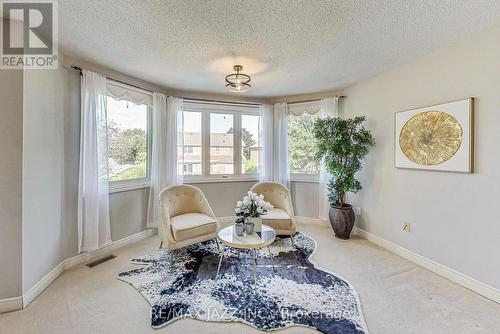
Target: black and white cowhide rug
{"type": "Point", "coordinates": [297, 293]}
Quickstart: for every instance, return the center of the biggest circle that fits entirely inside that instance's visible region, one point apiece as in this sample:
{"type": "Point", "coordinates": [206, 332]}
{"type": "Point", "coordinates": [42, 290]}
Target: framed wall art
{"type": "Point", "coordinates": [439, 137]}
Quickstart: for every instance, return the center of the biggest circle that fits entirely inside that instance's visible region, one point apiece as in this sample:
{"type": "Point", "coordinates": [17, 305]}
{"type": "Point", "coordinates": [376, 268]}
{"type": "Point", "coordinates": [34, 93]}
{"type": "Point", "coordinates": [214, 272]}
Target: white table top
{"type": "Point", "coordinates": [247, 241]}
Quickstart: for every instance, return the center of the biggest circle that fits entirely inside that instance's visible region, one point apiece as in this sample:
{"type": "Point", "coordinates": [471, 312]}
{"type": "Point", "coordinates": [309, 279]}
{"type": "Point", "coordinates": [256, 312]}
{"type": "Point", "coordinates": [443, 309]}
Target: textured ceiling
{"type": "Point", "coordinates": [288, 47]}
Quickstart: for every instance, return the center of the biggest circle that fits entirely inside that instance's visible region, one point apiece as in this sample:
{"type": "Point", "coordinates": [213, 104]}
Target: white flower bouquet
{"type": "Point", "coordinates": [252, 206]}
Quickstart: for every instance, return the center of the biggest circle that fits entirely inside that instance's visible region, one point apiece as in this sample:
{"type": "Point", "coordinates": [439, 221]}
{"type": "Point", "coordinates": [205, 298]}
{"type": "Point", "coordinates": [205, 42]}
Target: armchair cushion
{"type": "Point", "coordinates": [278, 219]}
{"type": "Point", "coordinates": [192, 225]}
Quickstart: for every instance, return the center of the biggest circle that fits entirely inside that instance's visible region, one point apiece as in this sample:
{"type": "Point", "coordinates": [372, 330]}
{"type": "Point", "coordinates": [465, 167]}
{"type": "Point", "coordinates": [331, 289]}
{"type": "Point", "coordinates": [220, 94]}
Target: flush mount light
{"type": "Point", "coordinates": [238, 82]}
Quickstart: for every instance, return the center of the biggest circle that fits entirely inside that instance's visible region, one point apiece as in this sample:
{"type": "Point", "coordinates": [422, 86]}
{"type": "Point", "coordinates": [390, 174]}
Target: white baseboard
{"type": "Point", "coordinates": [470, 283]}
{"type": "Point", "coordinates": [37, 289]}
{"type": "Point", "coordinates": [11, 304]}
{"type": "Point", "coordinates": [84, 257]}
{"type": "Point", "coordinates": [453, 275]}
{"type": "Point", "coordinates": [42, 284]}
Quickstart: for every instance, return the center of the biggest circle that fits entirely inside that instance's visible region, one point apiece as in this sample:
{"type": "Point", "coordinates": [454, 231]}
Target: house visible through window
{"type": "Point", "coordinates": [250, 144]}
{"type": "Point", "coordinates": [301, 145]}
{"type": "Point", "coordinates": [192, 143]}
{"type": "Point", "coordinates": [221, 144]}
{"type": "Point", "coordinates": [128, 137]}
{"type": "Point", "coordinates": [220, 140]}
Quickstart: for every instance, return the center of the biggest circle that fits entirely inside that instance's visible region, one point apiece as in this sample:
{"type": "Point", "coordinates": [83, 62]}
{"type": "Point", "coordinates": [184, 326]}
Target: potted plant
{"type": "Point", "coordinates": [252, 207]}
{"type": "Point", "coordinates": [342, 144]}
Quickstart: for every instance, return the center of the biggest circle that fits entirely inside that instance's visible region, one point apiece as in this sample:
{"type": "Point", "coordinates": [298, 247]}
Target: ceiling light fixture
{"type": "Point", "coordinates": [238, 82]}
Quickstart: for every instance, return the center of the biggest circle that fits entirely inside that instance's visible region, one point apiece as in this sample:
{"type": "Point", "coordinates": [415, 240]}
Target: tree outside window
{"type": "Point", "coordinates": [301, 144]}
{"type": "Point", "coordinates": [127, 140]}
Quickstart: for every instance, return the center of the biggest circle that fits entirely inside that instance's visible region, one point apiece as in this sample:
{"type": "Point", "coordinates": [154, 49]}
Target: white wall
{"type": "Point", "coordinates": [305, 198]}
{"type": "Point", "coordinates": [453, 216]}
{"type": "Point", "coordinates": [11, 135]}
{"type": "Point", "coordinates": [43, 172]}
{"type": "Point", "coordinates": [128, 212]}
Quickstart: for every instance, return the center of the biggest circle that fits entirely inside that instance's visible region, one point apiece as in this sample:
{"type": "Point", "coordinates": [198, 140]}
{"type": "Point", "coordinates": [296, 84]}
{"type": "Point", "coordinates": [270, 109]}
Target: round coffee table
{"type": "Point", "coordinates": [253, 241]}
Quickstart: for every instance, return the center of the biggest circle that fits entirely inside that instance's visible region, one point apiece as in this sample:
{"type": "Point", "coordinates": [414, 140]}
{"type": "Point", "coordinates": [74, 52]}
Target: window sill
{"type": "Point", "coordinates": [305, 178]}
{"type": "Point", "coordinates": [142, 184]}
{"type": "Point", "coordinates": [128, 186]}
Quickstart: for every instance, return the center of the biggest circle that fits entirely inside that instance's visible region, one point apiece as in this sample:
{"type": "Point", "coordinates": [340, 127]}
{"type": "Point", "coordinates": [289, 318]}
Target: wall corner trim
{"type": "Point", "coordinates": [11, 304]}
{"type": "Point", "coordinates": [470, 283]}
{"type": "Point", "coordinates": [38, 288]}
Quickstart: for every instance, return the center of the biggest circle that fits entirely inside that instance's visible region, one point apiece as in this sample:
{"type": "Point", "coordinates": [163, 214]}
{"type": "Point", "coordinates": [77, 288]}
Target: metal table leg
{"type": "Point", "coordinates": [271, 255]}
{"type": "Point", "coordinates": [254, 265]}
{"type": "Point", "coordinates": [220, 260]}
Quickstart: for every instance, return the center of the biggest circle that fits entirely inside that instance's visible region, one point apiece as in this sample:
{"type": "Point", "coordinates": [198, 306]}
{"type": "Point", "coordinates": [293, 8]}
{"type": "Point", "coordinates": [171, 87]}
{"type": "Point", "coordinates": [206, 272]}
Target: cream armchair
{"type": "Point", "coordinates": [187, 218]}
{"type": "Point", "coordinates": [281, 217]}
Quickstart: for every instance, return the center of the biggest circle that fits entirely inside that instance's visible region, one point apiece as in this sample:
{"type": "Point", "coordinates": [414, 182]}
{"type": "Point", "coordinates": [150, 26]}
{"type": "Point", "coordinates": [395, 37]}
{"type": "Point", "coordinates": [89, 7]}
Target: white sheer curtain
{"type": "Point", "coordinates": [164, 155]}
{"type": "Point", "coordinates": [266, 139]}
{"type": "Point", "coordinates": [93, 202]}
{"type": "Point", "coordinates": [329, 108]}
{"type": "Point", "coordinates": [281, 171]}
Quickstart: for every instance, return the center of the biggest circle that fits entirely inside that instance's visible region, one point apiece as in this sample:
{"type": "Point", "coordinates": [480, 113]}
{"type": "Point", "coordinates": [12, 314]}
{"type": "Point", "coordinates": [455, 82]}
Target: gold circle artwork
{"type": "Point", "coordinates": [430, 138]}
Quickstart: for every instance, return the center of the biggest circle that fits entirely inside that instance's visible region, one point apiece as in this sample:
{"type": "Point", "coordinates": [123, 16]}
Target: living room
{"type": "Point", "coordinates": [232, 166]}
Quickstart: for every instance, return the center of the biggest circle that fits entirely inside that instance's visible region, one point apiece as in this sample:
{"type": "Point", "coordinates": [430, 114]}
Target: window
{"type": "Point", "coordinates": [220, 140]}
{"type": "Point", "coordinates": [301, 145]}
{"type": "Point", "coordinates": [250, 144]}
{"type": "Point", "coordinates": [128, 136]}
{"type": "Point", "coordinates": [192, 143]}
{"type": "Point", "coordinates": [221, 144]}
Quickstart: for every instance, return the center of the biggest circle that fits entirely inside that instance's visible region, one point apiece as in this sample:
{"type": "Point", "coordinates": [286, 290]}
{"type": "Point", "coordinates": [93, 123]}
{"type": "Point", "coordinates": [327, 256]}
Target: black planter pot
{"type": "Point", "coordinates": [342, 220]}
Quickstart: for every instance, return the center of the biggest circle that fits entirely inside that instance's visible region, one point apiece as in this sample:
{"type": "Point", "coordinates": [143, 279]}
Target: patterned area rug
{"type": "Point", "coordinates": [295, 293]}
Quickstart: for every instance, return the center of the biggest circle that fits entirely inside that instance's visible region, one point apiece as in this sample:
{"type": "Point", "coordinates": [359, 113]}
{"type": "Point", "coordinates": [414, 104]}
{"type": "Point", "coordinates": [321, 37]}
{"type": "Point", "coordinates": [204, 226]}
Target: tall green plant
{"type": "Point", "coordinates": [342, 143]}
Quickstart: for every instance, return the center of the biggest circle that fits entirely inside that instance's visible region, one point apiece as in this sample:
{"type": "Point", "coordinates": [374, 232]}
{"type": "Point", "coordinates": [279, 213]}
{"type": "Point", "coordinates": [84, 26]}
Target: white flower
{"type": "Point", "coordinates": [268, 206]}
{"type": "Point", "coordinates": [260, 210]}
{"type": "Point", "coordinates": [246, 200]}
{"type": "Point", "coordinates": [237, 210]}
{"type": "Point", "coordinates": [239, 204]}
{"type": "Point", "coordinates": [261, 197]}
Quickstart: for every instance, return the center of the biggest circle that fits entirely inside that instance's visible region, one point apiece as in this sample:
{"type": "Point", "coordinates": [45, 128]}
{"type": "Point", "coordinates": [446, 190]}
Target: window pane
{"type": "Point", "coordinates": [250, 146]}
{"type": "Point", "coordinates": [192, 143]}
{"type": "Point", "coordinates": [301, 146]}
{"type": "Point", "coordinates": [221, 144]}
{"type": "Point", "coordinates": [127, 140]}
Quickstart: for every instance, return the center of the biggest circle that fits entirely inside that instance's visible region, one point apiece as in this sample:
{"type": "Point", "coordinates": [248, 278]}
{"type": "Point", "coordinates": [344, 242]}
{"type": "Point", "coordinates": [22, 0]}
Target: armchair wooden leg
{"type": "Point", "coordinates": [161, 244]}
{"type": "Point", "coordinates": [171, 258]}
{"type": "Point", "coordinates": [293, 244]}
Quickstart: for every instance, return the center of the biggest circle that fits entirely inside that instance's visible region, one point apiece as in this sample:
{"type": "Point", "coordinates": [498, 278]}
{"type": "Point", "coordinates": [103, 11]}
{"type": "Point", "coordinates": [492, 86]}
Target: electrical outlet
{"type": "Point", "coordinates": [406, 227]}
{"type": "Point", "coordinates": [358, 211]}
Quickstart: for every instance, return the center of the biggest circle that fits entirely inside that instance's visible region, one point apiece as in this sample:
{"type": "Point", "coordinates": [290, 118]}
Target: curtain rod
{"type": "Point", "coordinates": [120, 81]}
{"type": "Point", "coordinates": [184, 98]}
{"type": "Point", "coordinates": [220, 101]}
{"type": "Point", "coordinates": [198, 100]}
{"type": "Point", "coordinates": [313, 100]}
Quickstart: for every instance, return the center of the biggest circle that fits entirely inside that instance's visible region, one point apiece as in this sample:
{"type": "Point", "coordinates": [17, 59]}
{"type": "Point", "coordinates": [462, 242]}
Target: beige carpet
{"type": "Point", "coordinates": [397, 296]}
